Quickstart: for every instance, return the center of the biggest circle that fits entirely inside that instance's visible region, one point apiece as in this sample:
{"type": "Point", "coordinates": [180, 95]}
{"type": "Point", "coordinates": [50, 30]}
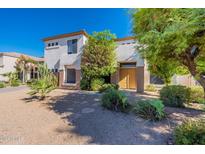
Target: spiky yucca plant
{"type": "Point", "coordinates": [45, 84]}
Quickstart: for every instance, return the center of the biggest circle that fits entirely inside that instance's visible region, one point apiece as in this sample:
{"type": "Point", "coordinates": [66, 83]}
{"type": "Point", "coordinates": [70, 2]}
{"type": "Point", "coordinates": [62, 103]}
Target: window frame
{"type": "Point", "coordinates": [66, 78]}
{"type": "Point", "coordinates": [70, 45]}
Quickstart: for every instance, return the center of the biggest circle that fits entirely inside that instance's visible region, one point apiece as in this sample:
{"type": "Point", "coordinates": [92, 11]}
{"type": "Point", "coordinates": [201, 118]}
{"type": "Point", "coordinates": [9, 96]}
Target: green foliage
{"type": "Point", "coordinates": [162, 70]}
{"type": "Point", "coordinates": [175, 95]}
{"type": "Point", "coordinates": [108, 86]}
{"type": "Point", "coordinates": [150, 109]}
{"type": "Point", "coordinates": [99, 57]}
{"type": "Point", "coordinates": [197, 94]}
{"type": "Point", "coordinates": [2, 85]}
{"type": "Point", "coordinates": [151, 87]}
{"type": "Point", "coordinates": [23, 65]}
{"type": "Point", "coordinates": [96, 84]}
{"type": "Point", "coordinates": [190, 132]}
{"type": "Point", "coordinates": [12, 79]}
{"type": "Point", "coordinates": [15, 83]}
{"type": "Point", "coordinates": [43, 70]}
{"type": "Point", "coordinates": [115, 100]}
{"type": "Point", "coordinates": [84, 84]}
{"type": "Point", "coordinates": [172, 39]}
{"type": "Point", "coordinates": [45, 84]}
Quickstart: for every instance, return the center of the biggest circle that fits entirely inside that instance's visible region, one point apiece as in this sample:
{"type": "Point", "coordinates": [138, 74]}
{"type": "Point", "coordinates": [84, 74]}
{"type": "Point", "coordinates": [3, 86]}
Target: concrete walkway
{"type": "Point", "coordinates": [12, 89]}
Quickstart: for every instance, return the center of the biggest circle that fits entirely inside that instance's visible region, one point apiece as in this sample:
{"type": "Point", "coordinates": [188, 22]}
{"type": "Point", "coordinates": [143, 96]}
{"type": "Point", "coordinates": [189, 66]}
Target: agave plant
{"type": "Point", "coordinates": [45, 84]}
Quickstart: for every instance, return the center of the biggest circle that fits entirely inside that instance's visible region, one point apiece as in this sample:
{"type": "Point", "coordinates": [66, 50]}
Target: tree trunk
{"type": "Point", "coordinates": [189, 62]}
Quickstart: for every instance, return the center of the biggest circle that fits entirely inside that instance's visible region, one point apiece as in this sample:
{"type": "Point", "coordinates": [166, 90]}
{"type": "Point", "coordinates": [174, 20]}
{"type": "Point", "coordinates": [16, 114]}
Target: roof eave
{"type": "Point", "coordinates": [82, 32]}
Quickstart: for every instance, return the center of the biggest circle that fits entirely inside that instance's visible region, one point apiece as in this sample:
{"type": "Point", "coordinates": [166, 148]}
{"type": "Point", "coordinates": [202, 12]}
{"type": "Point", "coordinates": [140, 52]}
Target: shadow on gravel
{"type": "Point", "coordinates": [84, 112]}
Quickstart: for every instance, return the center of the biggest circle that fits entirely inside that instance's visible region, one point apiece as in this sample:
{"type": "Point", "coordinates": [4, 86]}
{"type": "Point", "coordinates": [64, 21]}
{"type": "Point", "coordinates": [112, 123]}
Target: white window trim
{"type": "Point", "coordinates": [69, 53]}
{"type": "Point", "coordinates": [52, 47]}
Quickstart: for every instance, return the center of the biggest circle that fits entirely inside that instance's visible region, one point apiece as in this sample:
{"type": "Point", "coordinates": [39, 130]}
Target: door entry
{"type": "Point", "coordinates": [127, 78]}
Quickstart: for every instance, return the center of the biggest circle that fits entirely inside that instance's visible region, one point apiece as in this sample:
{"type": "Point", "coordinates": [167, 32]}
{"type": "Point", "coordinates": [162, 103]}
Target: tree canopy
{"type": "Point", "coordinates": [172, 37]}
{"type": "Point", "coordinates": [23, 64]}
{"type": "Point", "coordinates": [99, 57]}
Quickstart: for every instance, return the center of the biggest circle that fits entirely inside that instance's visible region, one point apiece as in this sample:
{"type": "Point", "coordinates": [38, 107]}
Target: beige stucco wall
{"type": "Point", "coordinates": [126, 52]}
{"type": "Point", "coordinates": [7, 65]}
{"type": "Point", "coordinates": [57, 57]}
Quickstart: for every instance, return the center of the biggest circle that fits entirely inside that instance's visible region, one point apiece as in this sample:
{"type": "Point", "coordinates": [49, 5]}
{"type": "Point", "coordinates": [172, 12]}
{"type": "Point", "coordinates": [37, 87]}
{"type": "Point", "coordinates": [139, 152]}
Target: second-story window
{"type": "Point", "coordinates": [54, 44]}
{"type": "Point", "coordinates": [72, 46]}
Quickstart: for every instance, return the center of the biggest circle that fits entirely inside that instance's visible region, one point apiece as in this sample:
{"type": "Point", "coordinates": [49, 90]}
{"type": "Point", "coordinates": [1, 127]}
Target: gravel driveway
{"type": "Point", "coordinates": [11, 89]}
{"type": "Point", "coordinates": [74, 117]}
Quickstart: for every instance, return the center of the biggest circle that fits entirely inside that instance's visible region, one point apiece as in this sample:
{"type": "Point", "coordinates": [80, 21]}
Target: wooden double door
{"type": "Point", "coordinates": [127, 78]}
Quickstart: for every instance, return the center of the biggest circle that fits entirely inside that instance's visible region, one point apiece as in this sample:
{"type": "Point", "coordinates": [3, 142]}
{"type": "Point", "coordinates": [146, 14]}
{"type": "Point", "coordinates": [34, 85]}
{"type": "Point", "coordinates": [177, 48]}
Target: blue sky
{"type": "Point", "coordinates": [22, 30]}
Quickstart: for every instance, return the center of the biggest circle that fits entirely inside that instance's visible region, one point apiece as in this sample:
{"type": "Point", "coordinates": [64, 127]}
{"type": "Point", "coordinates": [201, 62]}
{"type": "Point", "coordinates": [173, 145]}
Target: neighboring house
{"type": "Point", "coordinates": [62, 54]}
{"type": "Point", "coordinates": [8, 63]}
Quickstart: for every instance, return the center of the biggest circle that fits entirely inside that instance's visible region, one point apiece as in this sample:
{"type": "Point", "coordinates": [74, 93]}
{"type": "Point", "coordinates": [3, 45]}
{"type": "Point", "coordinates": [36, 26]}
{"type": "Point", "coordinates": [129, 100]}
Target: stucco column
{"type": "Point", "coordinates": [115, 77]}
{"type": "Point", "coordinates": [78, 78]}
{"type": "Point", "coordinates": [61, 76]}
{"type": "Point", "coordinates": [140, 79]}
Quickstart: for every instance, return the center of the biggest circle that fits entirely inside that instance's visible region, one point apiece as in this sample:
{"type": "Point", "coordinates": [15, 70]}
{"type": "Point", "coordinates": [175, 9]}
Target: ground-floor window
{"type": "Point", "coordinates": [70, 76]}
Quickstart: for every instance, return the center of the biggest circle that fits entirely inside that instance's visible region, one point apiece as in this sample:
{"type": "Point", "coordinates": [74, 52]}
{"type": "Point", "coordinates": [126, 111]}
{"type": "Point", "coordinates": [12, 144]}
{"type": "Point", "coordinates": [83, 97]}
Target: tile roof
{"type": "Point", "coordinates": [17, 55]}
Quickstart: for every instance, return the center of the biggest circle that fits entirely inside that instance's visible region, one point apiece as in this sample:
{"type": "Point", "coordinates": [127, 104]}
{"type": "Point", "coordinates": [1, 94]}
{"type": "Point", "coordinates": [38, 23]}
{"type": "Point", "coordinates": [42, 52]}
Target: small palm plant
{"type": "Point", "coordinates": [45, 84]}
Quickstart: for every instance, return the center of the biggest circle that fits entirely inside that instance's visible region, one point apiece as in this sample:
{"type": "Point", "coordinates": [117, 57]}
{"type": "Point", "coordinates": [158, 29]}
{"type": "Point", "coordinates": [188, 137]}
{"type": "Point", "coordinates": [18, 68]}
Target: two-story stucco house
{"type": "Point", "coordinates": [8, 63]}
{"type": "Point", "coordinates": [62, 54]}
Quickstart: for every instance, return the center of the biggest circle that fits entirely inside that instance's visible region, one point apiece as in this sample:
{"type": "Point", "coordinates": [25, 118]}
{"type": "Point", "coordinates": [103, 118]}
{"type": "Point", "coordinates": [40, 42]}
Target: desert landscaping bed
{"type": "Point", "coordinates": [76, 117]}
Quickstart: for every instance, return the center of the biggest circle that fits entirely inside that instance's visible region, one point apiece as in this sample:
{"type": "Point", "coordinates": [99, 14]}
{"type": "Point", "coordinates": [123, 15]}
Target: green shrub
{"type": "Point", "coordinates": [2, 85]}
{"type": "Point", "coordinates": [190, 132]}
{"type": "Point", "coordinates": [197, 94]}
{"type": "Point", "coordinates": [45, 84]}
{"type": "Point", "coordinates": [115, 100]}
{"type": "Point", "coordinates": [150, 109]}
{"type": "Point", "coordinates": [150, 87]}
{"type": "Point", "coordinates": [175, 95]}
{"type": "Point", "coordinates": [108, 86]}
{"type": "Point", "coordinates": [12, 79]}
{"type": "Point", "coordinates": [84, 84]}
{"type": "Point", "coordinates": [15, 83]}
{"type": "Point", "coordinates": [29, 82]}
{"type": "Point", "coordinates": [96, 84]}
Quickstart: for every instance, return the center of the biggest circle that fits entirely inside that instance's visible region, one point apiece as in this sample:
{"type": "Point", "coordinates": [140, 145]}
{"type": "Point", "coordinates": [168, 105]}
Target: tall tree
{"type": "Point", "coordinates": [23, 65]}
{"type": "Point", "coordinates": [99, 57]}
{"type": "Point", "coordinates": [173, 36]}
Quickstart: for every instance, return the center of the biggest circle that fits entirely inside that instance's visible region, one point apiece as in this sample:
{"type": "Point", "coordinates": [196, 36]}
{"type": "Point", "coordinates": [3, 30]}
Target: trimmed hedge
{"type": "Point", "coordinates": [96, 84]}
{"type": "Point", "coordinates": [2, 85]}
{"type": "Point", "coordinates": [84, 84]}
{"type": "Point", "coordinates": [108, 86]}
{"type": "Point", "coordinates": [190, 132]}
{"type": "Point", "coordinates": [197, 94]}
{"type": "Point", "coordinates": [175, 95]}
